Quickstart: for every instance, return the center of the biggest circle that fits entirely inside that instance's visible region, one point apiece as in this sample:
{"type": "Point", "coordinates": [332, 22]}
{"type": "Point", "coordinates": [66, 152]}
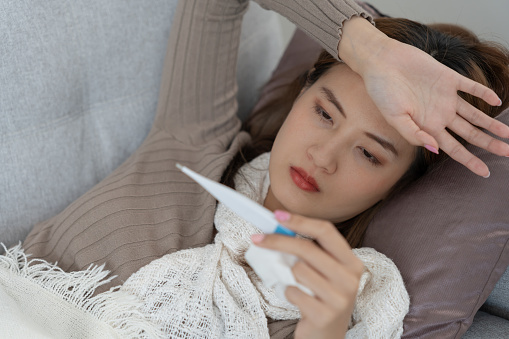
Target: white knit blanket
{"type": "Point", "coordinates": [39, 300]}
{"type": "Point", "coordinates": [207, 292]}
{"type": "Point", "coordinates": [211, 292]}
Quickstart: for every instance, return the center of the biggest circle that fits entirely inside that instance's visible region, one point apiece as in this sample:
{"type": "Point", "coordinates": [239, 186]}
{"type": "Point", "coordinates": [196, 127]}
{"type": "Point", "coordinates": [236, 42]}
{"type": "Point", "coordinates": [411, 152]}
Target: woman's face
{"type": "Point", "coordinates": [335, 155]}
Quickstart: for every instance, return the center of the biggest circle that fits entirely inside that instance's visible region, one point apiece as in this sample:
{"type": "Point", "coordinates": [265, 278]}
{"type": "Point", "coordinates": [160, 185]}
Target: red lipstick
{"type": "Point", "coordinates": [303, 180]}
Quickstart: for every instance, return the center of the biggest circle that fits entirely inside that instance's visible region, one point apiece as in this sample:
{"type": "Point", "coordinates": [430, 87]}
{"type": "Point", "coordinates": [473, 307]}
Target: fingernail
{"type": "Point", "coordinates": [431, 149]}
{"type": "Point", "coordinates": [282, 215]}
{"type": "Point", "coordinates": [257, 238]}
{"type": "Point", "coordinates": [486, 177]}
{"type": "Point", "coordinates": [500, 104]}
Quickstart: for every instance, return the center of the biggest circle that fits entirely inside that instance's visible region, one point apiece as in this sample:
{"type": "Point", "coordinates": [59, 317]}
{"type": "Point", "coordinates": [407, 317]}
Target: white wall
{"type": "Point", "coordinates": [489, 19]}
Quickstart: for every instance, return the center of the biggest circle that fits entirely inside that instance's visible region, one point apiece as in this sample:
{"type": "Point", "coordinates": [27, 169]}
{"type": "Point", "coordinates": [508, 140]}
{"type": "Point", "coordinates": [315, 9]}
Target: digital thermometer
{"type": "Point", "coordinates": [246, 208]}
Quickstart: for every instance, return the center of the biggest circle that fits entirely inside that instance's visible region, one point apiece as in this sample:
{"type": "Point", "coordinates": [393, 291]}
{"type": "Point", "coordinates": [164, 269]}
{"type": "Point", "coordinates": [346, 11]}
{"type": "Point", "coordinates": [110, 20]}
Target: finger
{"type": "Point", "coordinates": [477, 137]}
{"type": "Point", "coordinates": [330, 292]}
{"type": "Point", "coordinates": [304, 329]}
{"type": "Point", "coordinates": [459, 153]}
{"type": "Point", "coordinates": [476, 89]}
{"type": "Point", "coordinates": [324, 232]}
{"type": "Point", "coordinates": [478, 118]}
{"type": "Point", "coordinates": [409, 130]}
{"type": "Point", "coordinates": [311, 309]}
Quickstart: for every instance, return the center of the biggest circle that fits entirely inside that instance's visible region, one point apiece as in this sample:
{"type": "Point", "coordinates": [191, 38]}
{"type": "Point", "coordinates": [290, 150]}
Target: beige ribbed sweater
{"type": "Point", "coordinates": [146, 208]}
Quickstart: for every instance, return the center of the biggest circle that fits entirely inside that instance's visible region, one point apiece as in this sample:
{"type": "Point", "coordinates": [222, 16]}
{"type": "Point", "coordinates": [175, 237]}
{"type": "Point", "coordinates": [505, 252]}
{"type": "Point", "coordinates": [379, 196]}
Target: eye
{"type": "Point", "coordinates": [322, 114]}
{"type": "Point", "coordinates": [370, 157]}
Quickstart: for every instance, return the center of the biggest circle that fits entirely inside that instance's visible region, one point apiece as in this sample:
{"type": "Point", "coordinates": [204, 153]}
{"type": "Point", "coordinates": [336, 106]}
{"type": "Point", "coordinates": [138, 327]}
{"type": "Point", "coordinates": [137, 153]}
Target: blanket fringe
{"type": "Point", "coordinates": [117, 308]}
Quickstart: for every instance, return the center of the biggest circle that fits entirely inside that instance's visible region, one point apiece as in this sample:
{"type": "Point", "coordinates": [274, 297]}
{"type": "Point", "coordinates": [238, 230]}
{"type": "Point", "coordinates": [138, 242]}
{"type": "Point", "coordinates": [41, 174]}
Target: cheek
{"type": "Point", "coordinates": [372, 186]}
{"type": "Point", "coordinates": [293, 121]}
{"type": "Point", "coordinates": [288, 134]}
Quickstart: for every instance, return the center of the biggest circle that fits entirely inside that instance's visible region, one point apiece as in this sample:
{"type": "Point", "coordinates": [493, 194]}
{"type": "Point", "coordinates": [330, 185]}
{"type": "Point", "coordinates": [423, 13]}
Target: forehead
{"type": "Point", "coordinates": [349, 89]}
{"type": "Point", "coordinates": [342, 80]}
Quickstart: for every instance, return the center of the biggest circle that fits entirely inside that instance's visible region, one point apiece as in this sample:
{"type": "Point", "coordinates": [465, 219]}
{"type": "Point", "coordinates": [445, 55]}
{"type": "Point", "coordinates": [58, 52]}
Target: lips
{"type": "Point", "coordinates": [303, 180]}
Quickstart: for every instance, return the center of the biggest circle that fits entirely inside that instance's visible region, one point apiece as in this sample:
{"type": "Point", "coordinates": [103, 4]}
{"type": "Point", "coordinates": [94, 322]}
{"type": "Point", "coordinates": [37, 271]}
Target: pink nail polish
{"type": "Point", "coordinates": [282, 215]}
{"type": "Point", "coordinates": [257, 238]}
{"type": "Point", "coordinates": [431, 149]}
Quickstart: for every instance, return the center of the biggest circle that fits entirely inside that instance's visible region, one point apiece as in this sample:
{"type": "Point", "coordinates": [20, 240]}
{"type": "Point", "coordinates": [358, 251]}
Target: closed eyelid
{"type": "Point", "coordinates": [374, 160]}
{"type": "Point", "coordinates": [320, 111]}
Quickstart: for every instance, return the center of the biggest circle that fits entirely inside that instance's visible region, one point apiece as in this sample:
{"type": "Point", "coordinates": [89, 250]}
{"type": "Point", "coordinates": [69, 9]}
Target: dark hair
{"type": "Point", "coordinates": [453, 46]}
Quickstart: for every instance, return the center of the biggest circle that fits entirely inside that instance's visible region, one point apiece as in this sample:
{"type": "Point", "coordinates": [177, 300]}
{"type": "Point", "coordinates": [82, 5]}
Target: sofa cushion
{"type": "Point", "coordinates": [498, 301]}
{"type": "Point", "coordinates": [80, 82]}
{"type": "Point", "coordinates": [487, 326]}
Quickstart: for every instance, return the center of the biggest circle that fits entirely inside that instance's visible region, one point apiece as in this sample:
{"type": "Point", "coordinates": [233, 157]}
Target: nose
{"type": "Point", "coordinates": [325, 156]}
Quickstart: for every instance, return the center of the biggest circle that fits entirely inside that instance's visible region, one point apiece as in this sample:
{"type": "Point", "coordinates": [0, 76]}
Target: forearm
{"type": "Point", "coordinates": [197, 100]}
{"type": "Point", "coordinates": [321, 19]}
{"type": "Point", "coordinates": [360, 42]}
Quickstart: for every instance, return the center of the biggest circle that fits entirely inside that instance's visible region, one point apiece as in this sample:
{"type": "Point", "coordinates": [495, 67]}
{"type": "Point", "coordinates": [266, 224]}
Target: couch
{"type": "Point", "coordinates": [80, 84]}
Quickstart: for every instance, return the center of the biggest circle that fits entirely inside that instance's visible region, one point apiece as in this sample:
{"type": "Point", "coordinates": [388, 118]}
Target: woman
{"type": "Point", "coordinates": [379, 168]}
{"type": "Point", "coordinates": [133, 216]}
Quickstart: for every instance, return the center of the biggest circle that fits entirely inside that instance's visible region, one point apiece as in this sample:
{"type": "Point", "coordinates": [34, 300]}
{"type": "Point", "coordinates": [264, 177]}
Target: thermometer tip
{"type": "Point", "coordinates": [179, 166]}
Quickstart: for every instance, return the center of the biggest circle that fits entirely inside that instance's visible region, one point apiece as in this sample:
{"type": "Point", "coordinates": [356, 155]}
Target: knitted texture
{"type": "Point", "coordinates": [207, 292]}
{"type": "Point", "coordinates": [211, 292]}
{"type": "Point", "coordinates": [39, 300]}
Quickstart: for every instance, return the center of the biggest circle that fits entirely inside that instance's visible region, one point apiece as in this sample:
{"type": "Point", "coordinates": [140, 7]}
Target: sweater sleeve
{"type": "Point", "coordinates": [322, 20]}
{"type": "Point", "coordinates": [197, 96]}
{"type": "Point", "coordinates": [197, 100]}
{"type": "Point", "coordinates": [147, 208]}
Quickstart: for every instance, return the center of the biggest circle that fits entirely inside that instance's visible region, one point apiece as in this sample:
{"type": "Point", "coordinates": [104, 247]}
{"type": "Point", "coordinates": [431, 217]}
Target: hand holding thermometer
{"type": "Point", "coordinates": [246, 208]}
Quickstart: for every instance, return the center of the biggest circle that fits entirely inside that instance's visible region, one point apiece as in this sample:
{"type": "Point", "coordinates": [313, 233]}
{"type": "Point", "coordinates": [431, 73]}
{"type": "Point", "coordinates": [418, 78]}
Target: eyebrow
{"type": "Point", "coordinates": [330, 96]}
{"type": "Point", "coordinates": [384, 143]}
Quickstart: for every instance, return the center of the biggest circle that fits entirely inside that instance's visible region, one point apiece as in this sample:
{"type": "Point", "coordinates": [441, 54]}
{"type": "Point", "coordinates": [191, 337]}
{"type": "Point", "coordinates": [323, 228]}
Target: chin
{"type": "Point", "coordinates": [287, 202]}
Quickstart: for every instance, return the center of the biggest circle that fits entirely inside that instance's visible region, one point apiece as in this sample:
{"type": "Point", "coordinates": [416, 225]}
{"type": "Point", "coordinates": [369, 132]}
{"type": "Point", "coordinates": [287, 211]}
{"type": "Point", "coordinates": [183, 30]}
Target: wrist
{"type": "Point", "coordinates": [360, 41]}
